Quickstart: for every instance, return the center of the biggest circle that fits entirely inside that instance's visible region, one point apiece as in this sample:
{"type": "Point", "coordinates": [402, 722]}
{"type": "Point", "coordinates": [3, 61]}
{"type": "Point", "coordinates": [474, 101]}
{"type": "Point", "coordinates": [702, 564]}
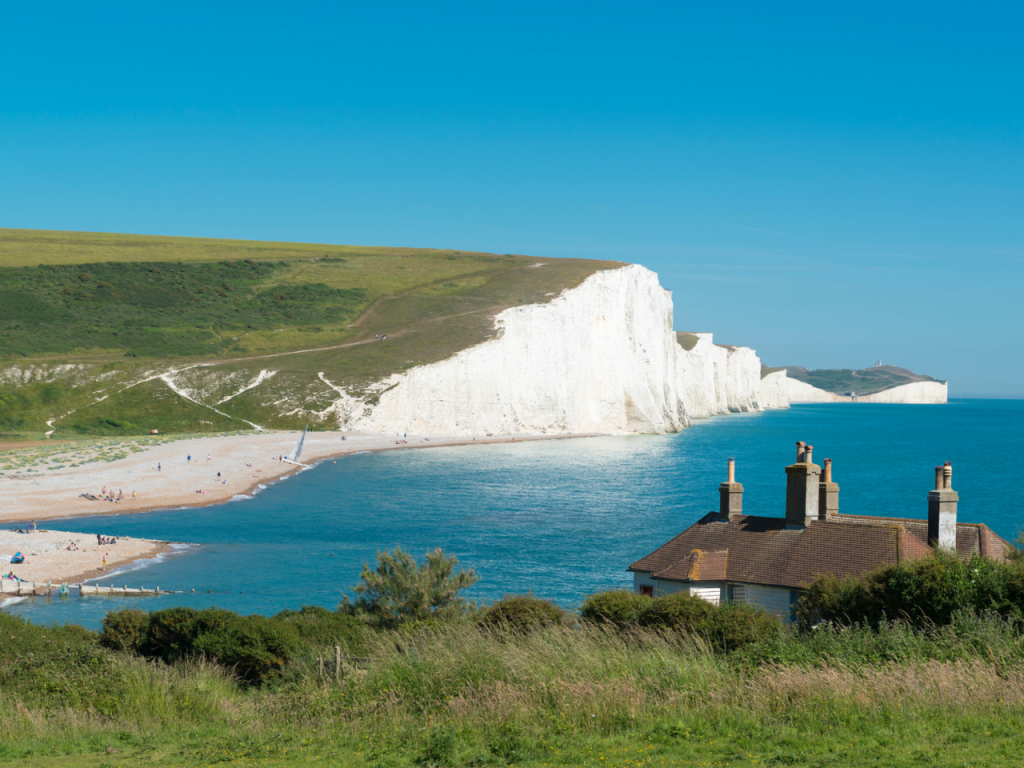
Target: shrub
{"type": "Point", "coordinates": [727, 627]}
{"type": "Point", "coordinates": [931, 590]}
{"type": "Point", "coordinates": [255, 647]}
{"type": "Point", "coordinates": [735, 625]}
{"type": "Point", "coordinates": [618, 606]}
{"type": "Point", "coordinates": [522, 613]}
{"type": "Point", "coordinates": [124, 630]}
{"type": "Point", "coordinates": [400, 590]}
{"type": "Point", "coordinates": [679, 609]}
{"type": "Point", "coordinates": [319, 626]}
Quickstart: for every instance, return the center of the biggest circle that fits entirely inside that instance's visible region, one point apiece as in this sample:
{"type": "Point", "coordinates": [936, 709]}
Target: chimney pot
{"type": "Point", "coordinates": [802, 489]}
{"type": "Point", "coordinates": [730, 504]}
{"type": "Point", "coordinates": [807, 454]}
{"type": "Point", "coordinates": [828, 493]}
{"type": "Point", "coordinates": [942, 504]}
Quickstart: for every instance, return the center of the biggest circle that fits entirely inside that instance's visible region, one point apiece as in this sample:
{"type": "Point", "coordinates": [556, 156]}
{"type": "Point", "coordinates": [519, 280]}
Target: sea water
{"type": "Point", "coordinates": [558, 518]}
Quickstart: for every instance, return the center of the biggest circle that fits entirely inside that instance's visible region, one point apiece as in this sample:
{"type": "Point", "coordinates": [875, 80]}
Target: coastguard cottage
{"type": "Point", "coordinates": [768, 561]}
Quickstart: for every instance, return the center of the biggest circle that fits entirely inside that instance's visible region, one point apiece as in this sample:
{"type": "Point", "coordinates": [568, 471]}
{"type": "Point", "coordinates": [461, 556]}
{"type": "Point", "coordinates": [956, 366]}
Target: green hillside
{"type": "Point", "coordinates": [85, 316]}
{"type": "Point", "coordinates": [866, 381]}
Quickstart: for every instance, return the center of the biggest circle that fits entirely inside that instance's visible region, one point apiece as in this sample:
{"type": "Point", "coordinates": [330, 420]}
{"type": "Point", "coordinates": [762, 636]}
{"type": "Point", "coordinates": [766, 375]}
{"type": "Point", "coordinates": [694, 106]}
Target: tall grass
{"type": "Point", "coordinates": [460, 694]}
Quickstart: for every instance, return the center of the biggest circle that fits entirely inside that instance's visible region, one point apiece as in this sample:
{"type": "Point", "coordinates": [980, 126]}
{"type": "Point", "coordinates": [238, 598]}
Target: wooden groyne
{"type": "Point", "coordinates": [125, 591]}
{"type": "Point", "coordinates": [10, 588]}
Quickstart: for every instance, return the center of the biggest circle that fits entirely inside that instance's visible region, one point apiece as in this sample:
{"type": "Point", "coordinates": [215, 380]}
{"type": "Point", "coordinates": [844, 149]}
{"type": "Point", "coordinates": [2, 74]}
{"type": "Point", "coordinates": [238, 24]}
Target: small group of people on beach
{"type": "Point", "coordinates": [101, 540]}
{"type": "Point", "coordinates": [111, 496]}
{"type": "Point", "coordinates": [72, 547]}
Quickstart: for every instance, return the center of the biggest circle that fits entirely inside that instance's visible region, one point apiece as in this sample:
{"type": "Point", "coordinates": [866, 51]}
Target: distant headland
{"type": "Point", "coordinates": [877, 384]}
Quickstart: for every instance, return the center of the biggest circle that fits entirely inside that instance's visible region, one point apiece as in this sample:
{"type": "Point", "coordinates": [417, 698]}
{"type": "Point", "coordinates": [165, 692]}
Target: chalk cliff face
{"type": "Point", "coordinates": [713, 379]}
{"type": "Point", "coordinates": [802, 392]}
{"type": "Point", "coordinates": [915, 392]}
{"type": "Point", "coordinates": [774, 392]}
{"type": "Point", "coordinates": [602, 357]}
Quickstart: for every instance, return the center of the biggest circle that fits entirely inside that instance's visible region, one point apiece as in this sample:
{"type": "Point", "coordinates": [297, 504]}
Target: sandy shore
{"type": "Point", "coordinates": [221, 467]}
{"type": "Point", "coordinates": [157, 476]}
{"type": "Point", "coordinates": [47, 558]}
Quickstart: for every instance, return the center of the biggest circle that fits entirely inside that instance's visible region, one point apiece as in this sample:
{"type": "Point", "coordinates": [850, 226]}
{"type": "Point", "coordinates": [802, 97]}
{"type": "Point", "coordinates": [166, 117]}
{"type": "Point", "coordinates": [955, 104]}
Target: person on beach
{"type": "Point", "coordinates": [158, 466]}
{"type": "Point", "coordinates": [189, 458]}
{"type": "Point", "coordinates": [32, 526]}
{"type": "Point", "coordinates": [104, 562]}
{"type": "Point", "coordinates": [133, 494]}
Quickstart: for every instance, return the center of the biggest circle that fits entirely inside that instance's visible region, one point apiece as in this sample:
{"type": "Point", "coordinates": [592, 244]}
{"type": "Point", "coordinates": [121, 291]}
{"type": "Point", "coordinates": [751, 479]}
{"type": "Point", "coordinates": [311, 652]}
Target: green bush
{"type": "Point", "coordinates": [922, 592]}
{"type": "Point", "coordinates": [618, 606]}
{"type": "Point", "coordinates": [400, 590]}
{"type": "Point", "coordinates": [124, 630]}
{"type": "Point", "coordinates": [727, 627]}
{"type": "Point", "coordinates": [735, 625]}
{"type": "Point", "coordinates": [522, 613]}
{"type": "Point", "coordinates": [318, 626]}
{"type": "Point", "coordinates": [256, 648]}
{"type": "Point", "coordinates": [677, 610]}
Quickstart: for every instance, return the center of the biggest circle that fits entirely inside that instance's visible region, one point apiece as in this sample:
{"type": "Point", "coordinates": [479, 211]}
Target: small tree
{"type": "Point", "coordinates": [402, 590]}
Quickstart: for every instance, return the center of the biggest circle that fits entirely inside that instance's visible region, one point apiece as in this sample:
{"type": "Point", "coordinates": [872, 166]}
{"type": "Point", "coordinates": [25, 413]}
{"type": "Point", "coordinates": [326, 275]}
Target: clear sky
{"type": "Point", "coordinates": [831, 184]}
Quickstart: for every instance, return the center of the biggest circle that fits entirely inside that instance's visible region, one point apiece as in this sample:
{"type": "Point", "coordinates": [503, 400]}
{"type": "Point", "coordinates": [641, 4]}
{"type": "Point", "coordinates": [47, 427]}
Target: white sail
{"type": "Point", "coordinates": [298, 448]}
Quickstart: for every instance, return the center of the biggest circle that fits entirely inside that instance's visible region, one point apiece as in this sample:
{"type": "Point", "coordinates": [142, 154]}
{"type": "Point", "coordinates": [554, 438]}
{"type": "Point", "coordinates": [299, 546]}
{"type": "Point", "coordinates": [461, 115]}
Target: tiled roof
{"type": "Point", "coordinates": [699, 565]}
{"type": "Point", "coordinates": [760, 550]}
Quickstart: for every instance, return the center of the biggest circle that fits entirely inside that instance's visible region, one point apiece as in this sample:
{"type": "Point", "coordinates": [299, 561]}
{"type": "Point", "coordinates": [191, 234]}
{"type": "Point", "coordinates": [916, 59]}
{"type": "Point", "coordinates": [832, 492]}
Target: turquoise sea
{"type": "Point", "coordinates": [560, 518]}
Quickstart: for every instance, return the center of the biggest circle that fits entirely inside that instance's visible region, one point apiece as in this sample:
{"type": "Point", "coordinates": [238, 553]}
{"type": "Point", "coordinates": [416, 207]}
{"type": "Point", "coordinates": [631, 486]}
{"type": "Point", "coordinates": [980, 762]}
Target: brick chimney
{"type": "Point", "coordinates": [802, 487]}
{"type": "Point", "coordinates": [828, 494]}
{"type": "Point", "coordinates": [942, 510]}
{"type": "Point", "coordinates": [731, 495]}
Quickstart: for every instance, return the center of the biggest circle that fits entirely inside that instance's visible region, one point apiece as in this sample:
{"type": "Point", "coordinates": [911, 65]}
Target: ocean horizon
{"type": "Point", "coordinates": [562, 518]}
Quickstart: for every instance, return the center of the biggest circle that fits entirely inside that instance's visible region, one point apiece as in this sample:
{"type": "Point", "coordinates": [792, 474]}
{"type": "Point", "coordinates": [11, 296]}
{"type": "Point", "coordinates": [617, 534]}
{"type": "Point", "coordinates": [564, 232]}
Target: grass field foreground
{"type": "Point", "coordinates": [583, 696]}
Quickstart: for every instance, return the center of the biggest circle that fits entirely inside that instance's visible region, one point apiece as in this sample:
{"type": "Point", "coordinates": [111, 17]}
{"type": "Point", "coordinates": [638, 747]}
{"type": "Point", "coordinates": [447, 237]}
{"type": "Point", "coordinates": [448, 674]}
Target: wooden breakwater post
{"type": "Point", "coordinates": [321, 663]}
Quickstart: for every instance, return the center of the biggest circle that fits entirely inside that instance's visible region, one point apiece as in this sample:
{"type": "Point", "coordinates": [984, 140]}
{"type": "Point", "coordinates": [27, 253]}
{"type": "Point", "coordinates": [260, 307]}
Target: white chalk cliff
{"type": "Point", "coordinates": [602, 357]}
{"type": "Point", "coordinates": [913, 392]}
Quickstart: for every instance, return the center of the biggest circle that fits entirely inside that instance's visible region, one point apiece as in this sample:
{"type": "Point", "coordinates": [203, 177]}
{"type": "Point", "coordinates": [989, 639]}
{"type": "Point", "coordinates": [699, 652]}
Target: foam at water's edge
{"type": "Point", "coordinates": [138, 565]}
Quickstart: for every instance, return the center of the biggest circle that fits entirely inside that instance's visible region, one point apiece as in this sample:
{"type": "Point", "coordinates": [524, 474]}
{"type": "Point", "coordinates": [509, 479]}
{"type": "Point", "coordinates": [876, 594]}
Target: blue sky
{"type": "Point", "coordinates": [830, 185]}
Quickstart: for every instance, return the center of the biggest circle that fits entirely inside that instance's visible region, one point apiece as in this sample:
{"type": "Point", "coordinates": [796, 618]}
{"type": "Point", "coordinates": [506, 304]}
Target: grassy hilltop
{"type": "Point", "coordinates": [866, 381]}
{"type": "Point", "coordinates": [117, 310]}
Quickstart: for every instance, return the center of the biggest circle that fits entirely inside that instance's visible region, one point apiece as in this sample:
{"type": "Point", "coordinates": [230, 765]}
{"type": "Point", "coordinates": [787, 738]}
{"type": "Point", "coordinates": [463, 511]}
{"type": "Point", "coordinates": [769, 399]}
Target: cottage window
{"type": "Point", "coordinates": [647, 590]}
